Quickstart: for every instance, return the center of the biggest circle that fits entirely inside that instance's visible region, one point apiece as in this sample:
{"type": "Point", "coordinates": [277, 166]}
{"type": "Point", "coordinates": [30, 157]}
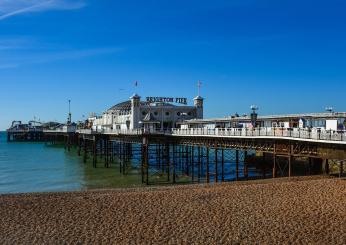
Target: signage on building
{"type": "Point", "coordinates": [167, 100]}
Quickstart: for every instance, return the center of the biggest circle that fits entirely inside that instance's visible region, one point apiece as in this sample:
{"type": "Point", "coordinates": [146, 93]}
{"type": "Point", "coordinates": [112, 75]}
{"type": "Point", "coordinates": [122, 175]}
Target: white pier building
{"type": "Point", "coordinates": [157, 113]}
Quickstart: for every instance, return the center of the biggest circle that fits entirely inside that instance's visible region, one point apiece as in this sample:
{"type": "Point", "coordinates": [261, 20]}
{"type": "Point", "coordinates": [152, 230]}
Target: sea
{"type": "Point", "coordinates": [37, 167]}
{"type": "Point", "coordinates": [27, 167]}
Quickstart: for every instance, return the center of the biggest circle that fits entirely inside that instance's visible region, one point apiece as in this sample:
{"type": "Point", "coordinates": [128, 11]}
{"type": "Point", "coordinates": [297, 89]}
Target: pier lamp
{"type": "Point", "coordinates": [329, 109]}
{"type": "Point", "coordinates": [69, 120]}
{"type": "Point", "coordinates": [254, 115]}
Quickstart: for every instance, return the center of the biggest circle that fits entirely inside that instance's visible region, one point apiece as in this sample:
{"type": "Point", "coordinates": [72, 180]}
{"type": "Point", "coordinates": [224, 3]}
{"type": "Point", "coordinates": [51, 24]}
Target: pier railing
{"type": "Point", "coordinates": [123, 131]}
{"type": "Point", "coordinates": [308, 134]}
{"type": "Point", "coordinates": [295, 133]}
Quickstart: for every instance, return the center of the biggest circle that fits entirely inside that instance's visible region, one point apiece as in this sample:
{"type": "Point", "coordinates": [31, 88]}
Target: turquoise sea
{"type": "Point", "coordinates": [36, 167]}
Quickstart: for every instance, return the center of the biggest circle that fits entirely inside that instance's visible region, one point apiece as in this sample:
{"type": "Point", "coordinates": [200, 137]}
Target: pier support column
{"type": "Point", "coordinates": [216, 165]}
{"type": "Point", "coordinates": [174, 162]}
{"type": "Point", "coordinates": [145, 160]}
{"type": "Point", "coordinates": [290, 158]}
{"type": "Point", "coordinates": [106, 152]}
{"type": "Point", "coordinates": [310, 165]}
{"type": "Point", "coordinates": [237, 164]}
{"type": "Point", "coordinates": [290, 161]}
{"type": "Point", "coordinates": [8, 137]}
{"type": "Point", "coordinates": [341, 169]}
{"type": "Point", "coordinates": [246, 167]}
{"type": "Point", "coordinates": [168, 161]}
{"type": "Point", "coordinates": [199, 164]}
{"type": "Point", "coordinates": [207, 168]}
{"type": "Point", "coordinates": [193, 163]}
{"type": "Point", "coordinates": [79, 146]}
{"type": "Point", "coordinates": [85, 155]}
{"type": "Point", "coordinates": [274, 166]}
{"type": "Point", "coordinates": [264, 165]}
{"type": "Point", "coordinates": [95, 152]}
{"type": "Point", "coordinates": [223, 165]}
{"type": "Point", "coordinates": [69, 142]}
{"type": "Point", "coordinates": [326, 167]}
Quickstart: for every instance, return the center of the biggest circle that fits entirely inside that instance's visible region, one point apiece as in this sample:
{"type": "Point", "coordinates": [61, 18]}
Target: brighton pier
{"type": "Point", "coordinates": [199, 150]}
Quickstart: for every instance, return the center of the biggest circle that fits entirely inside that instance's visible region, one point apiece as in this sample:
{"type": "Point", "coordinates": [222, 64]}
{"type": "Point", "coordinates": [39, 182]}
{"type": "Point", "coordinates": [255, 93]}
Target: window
{"type": "Point", "coordinates": [179, 114]}
{"type": "Point", "coordinates": [167, 113]}
{"type": "Point", "coordinates": [156, 113]}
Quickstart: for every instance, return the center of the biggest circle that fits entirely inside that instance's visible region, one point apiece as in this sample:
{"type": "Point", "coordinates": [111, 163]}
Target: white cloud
{"type": "Point", "coordinates": [10, 8]}
{"type": "Point", "coordinates": [32, 58]}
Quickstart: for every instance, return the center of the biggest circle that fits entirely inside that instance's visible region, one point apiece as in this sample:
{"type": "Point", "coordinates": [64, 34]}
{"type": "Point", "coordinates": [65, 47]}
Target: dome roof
{"type": "Point", "coordinates": [199, 98]}
{"type": "Point", "coordinates": [126, 105]}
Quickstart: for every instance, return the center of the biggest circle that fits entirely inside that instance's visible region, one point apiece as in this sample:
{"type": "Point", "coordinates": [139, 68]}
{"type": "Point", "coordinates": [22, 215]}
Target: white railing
{"type": "Point", "coordinates": [312, 134]}
{"type": "Point", "coordinates": [297, 133]}
{"type": "Point", "coordinates": [122, 131]}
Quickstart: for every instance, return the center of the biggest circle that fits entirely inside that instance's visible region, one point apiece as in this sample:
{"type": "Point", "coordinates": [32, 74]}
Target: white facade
{"type": "Point", "coordinates": [133, 113]}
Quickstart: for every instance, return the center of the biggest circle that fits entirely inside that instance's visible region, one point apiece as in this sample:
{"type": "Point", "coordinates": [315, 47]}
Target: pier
{"type": "Point", "coordinates": [172, 143]}
{"type": "Point", "coordinates": [208, 155]}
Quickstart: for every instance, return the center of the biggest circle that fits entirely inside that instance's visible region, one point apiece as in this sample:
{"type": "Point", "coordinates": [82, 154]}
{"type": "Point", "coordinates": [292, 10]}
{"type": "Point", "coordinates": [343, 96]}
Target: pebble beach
{"type": "Point", "coordinates": [296, 211]}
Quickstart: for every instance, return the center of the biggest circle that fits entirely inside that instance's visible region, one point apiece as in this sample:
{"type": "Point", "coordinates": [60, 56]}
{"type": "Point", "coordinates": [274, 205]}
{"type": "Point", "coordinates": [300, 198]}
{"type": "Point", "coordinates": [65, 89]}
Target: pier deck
{"type": "Point", "coordinates": [208, 155]}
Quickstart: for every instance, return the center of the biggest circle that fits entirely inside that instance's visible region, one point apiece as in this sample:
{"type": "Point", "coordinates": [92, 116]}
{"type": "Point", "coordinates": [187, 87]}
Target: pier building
{"type": "Point", "coordinates": [157, 113]}
{"type": "Point", "coordinates": [328, 121]}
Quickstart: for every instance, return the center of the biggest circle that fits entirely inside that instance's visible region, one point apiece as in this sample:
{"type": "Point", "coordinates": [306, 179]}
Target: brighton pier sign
{"type": "Point", "coordinates": [182, 101]}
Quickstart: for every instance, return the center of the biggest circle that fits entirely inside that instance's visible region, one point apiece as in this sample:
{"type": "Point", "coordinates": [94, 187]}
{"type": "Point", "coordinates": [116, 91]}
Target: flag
{"type": "Point", "coordinates": [136, 83]}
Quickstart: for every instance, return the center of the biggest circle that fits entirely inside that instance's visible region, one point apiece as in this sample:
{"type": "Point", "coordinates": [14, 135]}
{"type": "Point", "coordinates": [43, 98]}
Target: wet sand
{"type": "Point", "coordinates": [299, 211]}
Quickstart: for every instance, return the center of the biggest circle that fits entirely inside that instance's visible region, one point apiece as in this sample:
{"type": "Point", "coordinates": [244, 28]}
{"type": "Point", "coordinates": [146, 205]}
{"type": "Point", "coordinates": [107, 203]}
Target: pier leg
{"type": "Point", "coordinates": [216, 165]}
{"type": "Point", "coordinates": [274, 166]}
{"type": "Point", "coordinates": [326, 167]}
{"type": "Point", "coordinates": [68, 142]}
{"type": "Point", "coordinates": [290, 166]}
{"type": "Point", "coordinates": [174, 162]}
{"type": "Point", "coordinates": [207, 168]}
{"type": "Point", "coordinates": [199, 164]}
{"type": "Point", "coordinates": [145, 162]}
{"type": "Point", "coordinates": [79, 147]}
{"type": "Point", "coordinates": [8, 137]}
{"type": "Point", "coordinates": [94, 154]}
{"type": "Point", "coordinates": [85, 151]}
{"type": "Point", "coordinates": [187, 164]}
{"type": "Point", "coordinates": [237, 164]}
{"type": "Point", "coordinates": [341, 169]}
{"type": "Point", "coordinates": [167, 151]}
{"type": "Point", "coordinates": [107, 153]}
{"type": "Point", "coordinates": [193, 163]}
{"type": "Point", "coordinates": [246, 167]}
{"type": "Point", "coordinates": [120, 157]}
{"type": "Point", "coordinates": [223, 165]}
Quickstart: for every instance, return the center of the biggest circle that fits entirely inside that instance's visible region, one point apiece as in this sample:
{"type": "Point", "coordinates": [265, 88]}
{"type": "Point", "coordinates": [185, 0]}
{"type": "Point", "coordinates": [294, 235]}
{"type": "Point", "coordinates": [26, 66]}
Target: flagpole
{"type": "Point", "coordinates": [199, 87]}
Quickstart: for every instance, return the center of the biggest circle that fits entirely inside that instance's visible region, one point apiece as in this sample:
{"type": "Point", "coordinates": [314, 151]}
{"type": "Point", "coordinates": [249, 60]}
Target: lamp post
{"type": "Point", "coordinates": [254, 115]}
{"type": "Point", "coordinates": [330, 109]}
{"type": "Point", "coordinates": [69, 113]}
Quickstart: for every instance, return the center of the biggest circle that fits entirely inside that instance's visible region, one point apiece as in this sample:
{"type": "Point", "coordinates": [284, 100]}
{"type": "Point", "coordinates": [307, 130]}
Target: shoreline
{"type": "Point", "coordinates": [158, 187]}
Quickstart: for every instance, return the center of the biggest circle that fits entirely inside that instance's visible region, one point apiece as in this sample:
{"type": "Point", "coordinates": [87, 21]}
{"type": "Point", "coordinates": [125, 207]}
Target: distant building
{"type": "Point", "coordinates": [154, 113]}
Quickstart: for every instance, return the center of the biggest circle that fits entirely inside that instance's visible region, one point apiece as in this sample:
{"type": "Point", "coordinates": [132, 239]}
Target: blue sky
{"type": "Point", "coordinates": [284, 56]}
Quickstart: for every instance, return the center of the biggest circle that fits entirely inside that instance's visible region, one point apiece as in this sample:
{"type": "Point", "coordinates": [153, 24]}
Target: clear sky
{"type": "Point", "coordinates": [285, 56]}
